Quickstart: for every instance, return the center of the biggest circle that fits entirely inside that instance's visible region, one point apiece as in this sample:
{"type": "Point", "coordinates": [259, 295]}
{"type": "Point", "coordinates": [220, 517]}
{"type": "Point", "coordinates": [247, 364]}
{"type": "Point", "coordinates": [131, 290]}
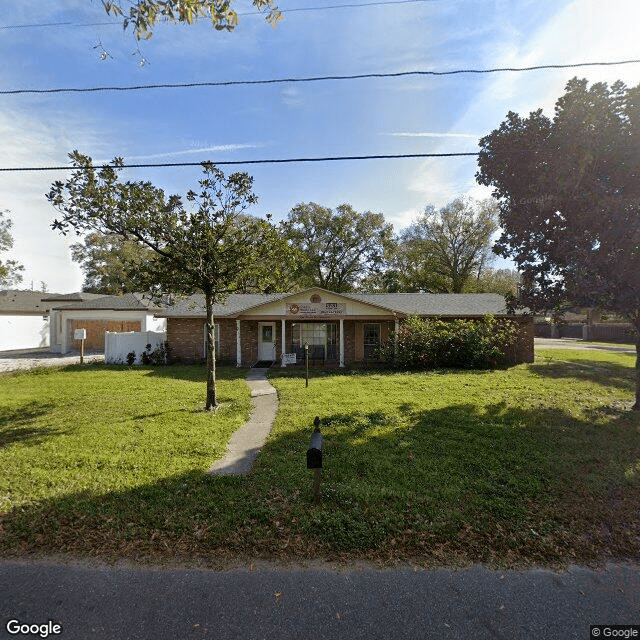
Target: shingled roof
{"type": "Point", "coordinates": [126, 302]}
{"type": "Point", "coordinates": [15, 302]}
{"type": "Point", "coordinates": [437, 304]}
{"type": "Point", "coordinates": [423, 304]}
{"type": "Point", "coordinates": [194, 306]}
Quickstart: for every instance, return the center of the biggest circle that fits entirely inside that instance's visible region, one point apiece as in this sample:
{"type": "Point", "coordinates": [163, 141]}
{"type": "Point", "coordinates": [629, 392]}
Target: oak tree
{"type": "Point", "coordinates": [342, 247]}
{"type": "Point", "coordinates": [444, 249]}
{"type": "Point", "coordinates": [109, 262]}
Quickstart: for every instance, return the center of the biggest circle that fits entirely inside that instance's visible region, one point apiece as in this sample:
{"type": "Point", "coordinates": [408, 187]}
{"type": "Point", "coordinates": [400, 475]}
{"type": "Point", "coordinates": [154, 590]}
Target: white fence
{"type": "Point", "coordinates": [118, 345]}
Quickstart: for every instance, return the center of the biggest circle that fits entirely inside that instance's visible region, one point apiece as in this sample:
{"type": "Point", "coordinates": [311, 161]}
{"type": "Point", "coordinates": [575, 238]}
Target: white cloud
{"type": "Point", "coordinates": [433, 134]}
{"type": "Point", "coordinates": [220, 148]}
{"type": "Point", "coordinates": [582, 31]}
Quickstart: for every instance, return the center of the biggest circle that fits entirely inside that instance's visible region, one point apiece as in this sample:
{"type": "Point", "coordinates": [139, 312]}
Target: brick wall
{"type": "Point", "coordinates": [186, 339]}
{"type": "Point", "coordinates": [524, 347]}
{"type": "Point", "coordinates": [185, 336]}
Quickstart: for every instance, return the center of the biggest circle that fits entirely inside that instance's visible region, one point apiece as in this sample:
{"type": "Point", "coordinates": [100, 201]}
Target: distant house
{"type": "Point", "coordinates": [339, 328]}
{"type": "Point", "coordinates": [24, 317]}
{"type": "Point", "coordinates": [24, 320]}
{"type": "Point", "coordinates": [129, 312]}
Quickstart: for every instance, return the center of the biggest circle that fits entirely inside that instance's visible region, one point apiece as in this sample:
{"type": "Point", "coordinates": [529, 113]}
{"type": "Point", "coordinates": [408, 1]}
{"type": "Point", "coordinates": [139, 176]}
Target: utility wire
{"type": "Point", "coordinates": [251, 13]}
{"type": "Point", "coordinates": [360, 76]}
{"type": "Point", "coordinates": [227, 162]}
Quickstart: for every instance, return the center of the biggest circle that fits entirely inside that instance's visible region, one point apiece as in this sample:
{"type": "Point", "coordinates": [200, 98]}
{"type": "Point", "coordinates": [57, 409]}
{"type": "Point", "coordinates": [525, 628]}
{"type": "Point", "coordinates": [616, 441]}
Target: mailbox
{"type": "Point", "coordinates": [314, 452]}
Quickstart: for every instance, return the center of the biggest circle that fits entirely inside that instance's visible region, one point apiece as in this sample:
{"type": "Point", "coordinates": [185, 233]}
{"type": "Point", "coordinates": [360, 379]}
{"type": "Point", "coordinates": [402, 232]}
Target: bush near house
{"type": "Point", "coordinates": [452, 344]}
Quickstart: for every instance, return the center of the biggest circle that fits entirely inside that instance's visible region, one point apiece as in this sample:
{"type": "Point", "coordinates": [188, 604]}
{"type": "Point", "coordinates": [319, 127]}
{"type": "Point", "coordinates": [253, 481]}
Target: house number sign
{"type": "Point", "coordinates": [306, 309]}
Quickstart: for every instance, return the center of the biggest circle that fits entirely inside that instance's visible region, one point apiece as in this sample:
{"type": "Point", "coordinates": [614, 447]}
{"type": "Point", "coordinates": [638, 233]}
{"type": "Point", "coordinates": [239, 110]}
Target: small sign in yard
{"type": "Point", "coordinates": [80, 334]}
{"type": "Point", "coordinates": [288, 358]}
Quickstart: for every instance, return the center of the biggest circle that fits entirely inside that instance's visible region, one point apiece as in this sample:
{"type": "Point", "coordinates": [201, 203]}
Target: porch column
{"type": "Point", "coordinates": [238, 345]}
{"type": "Point", "coordinates": [395, 340]}
{"type": "Point", "coordinates": [284, 343]}
{"type": "Point", "coordinates": [342, 342]}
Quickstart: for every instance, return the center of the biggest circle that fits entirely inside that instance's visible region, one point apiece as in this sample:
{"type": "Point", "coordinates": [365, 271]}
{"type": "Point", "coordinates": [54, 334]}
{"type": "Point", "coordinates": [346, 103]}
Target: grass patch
{"type": "Point", "coordinates": [537, 464]}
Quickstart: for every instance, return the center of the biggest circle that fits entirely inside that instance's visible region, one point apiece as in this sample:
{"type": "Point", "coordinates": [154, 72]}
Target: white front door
{"type": "Point", "coordinates": [266, 340]}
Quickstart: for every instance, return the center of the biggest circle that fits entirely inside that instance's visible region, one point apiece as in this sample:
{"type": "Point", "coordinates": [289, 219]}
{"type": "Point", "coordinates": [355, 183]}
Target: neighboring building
{"type": "Point", "coordinates": [24, 320]}
{"type": "Point", "coordinates": [340, 328]}
{"type": "Point", "coordinates": [129, 312]}
{"type": "Point", "coordinates": [24, 317]}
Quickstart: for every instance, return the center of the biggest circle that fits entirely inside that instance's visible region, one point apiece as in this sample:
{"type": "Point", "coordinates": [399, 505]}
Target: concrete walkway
{"type": "Point", "coordinates": [247, 441]}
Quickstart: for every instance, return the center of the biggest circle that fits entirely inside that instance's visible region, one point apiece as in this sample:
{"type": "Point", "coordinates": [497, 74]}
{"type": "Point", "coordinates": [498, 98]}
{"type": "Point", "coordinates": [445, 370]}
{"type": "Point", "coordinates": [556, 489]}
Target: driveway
{"type": "Point", "coordinates": [575, 343]}
{"type": "Point", "coordinates": [31, 358]}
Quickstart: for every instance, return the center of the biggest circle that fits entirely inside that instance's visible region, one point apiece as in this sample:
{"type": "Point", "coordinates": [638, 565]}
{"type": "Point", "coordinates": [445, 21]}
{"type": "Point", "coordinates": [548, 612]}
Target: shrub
{"type": "Point", "coordinates": [131, 357]}
{"type": "Point", "coordinates": [455, 344]}
{"type": "Point", "coordinates": [159, 356]}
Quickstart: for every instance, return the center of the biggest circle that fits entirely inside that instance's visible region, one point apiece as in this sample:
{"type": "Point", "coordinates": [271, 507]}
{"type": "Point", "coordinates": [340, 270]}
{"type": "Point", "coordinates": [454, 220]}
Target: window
{"type": "Point", "coordinates": [371, 341]}
{"type": "Point", "coordinates": [322, 339]}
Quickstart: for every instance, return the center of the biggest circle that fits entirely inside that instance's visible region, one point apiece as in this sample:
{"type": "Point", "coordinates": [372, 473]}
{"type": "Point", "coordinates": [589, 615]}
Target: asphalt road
{"type": "Point", "coordinates": [124, 603]}
{"type": "Point", "coordinates": [574, 343]}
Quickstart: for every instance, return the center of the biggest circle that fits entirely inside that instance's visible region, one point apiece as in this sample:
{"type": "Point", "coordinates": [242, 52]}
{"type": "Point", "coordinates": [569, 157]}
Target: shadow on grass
{"type": "Point", "coordinates": [607, 374]}
{"type": "Point", "coordinates": [195, 372]}
{"type": "Point", "coordinates": [15, 424]}
{"type": "Point", "coordinates": [471, 482]}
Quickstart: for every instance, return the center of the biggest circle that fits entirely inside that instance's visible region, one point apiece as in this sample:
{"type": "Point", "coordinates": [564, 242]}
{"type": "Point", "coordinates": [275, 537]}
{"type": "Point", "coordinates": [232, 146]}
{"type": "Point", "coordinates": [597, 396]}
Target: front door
{"type": "Point", "coordinates": [266, 341]}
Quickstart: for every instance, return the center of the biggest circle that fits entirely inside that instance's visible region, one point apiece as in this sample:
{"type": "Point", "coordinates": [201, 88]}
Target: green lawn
{"type": "Point", "coordinates": [537, 464]}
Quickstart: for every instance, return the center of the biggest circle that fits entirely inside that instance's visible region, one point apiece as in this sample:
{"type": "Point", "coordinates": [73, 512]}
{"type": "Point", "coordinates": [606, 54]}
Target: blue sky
{"type": "Point", "coordinates": [355, 117]}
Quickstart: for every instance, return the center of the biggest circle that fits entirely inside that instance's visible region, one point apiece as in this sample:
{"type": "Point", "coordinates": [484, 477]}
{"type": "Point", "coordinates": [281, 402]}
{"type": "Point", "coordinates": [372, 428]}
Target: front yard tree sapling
{"type": "Point", "coordinates": [215, 248]}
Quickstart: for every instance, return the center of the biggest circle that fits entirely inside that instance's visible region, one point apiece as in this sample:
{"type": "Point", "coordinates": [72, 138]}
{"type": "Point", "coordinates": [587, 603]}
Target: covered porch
{"type": "Point", "coordinates": [330, 342]}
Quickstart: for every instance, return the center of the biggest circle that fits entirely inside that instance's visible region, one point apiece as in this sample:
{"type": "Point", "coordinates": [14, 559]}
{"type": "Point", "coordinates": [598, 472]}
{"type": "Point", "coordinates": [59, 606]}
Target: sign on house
{"type": "Point", "coordinates": [311, 309]}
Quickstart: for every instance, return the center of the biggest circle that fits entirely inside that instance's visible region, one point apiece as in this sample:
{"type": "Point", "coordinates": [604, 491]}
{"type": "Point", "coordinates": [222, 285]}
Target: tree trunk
{"type": "Point", "coordinates": [212, 401]}
{"type": "Point", "coordinates": [636, 406]}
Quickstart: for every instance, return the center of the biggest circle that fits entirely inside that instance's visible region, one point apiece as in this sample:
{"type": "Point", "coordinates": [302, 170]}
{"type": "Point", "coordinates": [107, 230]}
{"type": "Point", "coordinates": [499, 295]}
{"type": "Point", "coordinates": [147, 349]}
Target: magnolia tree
{"type": "Point", "coordinates": [214, 248]}
{"type": "Point", "coordinates": [569, 193]}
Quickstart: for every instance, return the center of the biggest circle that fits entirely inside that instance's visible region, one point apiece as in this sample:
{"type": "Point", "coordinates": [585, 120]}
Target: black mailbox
{"type": "Point", "coordinates": [314, 452]}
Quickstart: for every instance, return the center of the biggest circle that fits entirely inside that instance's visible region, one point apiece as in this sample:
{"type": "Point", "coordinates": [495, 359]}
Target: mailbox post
{"type": "Point", "coordinates": [306, 359]}
{"type": "Point", "coordinates": [80, 334]}
{"type": "Point", "coordinates": [314, 458]}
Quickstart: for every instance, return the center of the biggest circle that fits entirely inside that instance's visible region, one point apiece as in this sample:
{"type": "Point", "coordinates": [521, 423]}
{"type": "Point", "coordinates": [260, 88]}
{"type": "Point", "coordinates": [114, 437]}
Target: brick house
{"type": "Point", "coordinates": [339, 328]}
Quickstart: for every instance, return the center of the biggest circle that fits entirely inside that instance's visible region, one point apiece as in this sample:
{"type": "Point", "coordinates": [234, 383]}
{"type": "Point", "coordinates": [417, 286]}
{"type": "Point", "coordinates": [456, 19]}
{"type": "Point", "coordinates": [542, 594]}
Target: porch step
{"type": "Point", "coordinates": [263, 364]}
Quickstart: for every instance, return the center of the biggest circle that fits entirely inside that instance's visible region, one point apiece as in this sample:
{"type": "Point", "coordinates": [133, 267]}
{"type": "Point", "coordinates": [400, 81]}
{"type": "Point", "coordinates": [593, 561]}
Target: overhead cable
{"type": "Point", "coordinates": [228, 162]}
{"type": "Point", "coordinates": [360, 76]}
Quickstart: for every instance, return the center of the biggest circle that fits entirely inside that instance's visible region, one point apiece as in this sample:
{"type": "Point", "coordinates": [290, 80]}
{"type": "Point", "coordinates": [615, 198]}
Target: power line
{"type": "Point", "coordinates": [251, 13]}
{"type": "Point", "coordinates": [360, 76]}
{"type": "Point", "coordinates": [266, 161]}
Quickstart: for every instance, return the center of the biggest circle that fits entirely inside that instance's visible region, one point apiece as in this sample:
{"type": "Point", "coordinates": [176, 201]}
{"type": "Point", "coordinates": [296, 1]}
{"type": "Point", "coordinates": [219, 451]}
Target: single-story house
{"type": "Point", "coordinates": [129, 312]}
{"type": "Point", "coordinates": [339, 328]}
{"type": "Point", "coordinates": [24, 317]}
{"type": "Point", "coordinates": [24, 320]}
